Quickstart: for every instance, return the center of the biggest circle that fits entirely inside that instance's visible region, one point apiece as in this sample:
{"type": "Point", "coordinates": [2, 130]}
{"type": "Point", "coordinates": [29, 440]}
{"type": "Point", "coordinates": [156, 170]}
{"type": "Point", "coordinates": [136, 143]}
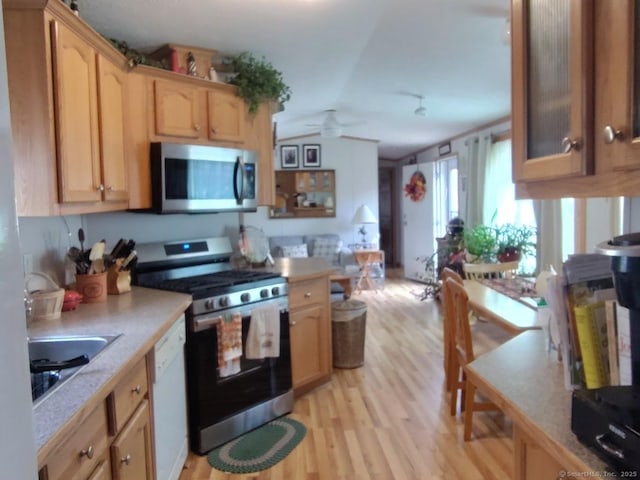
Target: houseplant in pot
{"type": "Point", "coordinates": [480, 244]}
{"type": "Point", "coordinates": [514, 241]}
{"type": "Point", "coordinates": [257, 80]}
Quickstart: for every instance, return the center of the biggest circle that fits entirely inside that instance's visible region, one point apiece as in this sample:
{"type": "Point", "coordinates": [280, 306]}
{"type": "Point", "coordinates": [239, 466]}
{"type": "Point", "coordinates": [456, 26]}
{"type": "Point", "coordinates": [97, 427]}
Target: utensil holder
{"type": "Point", "coordinates": [93, 287]}
{"type": "Point", "coordinates": [118, 281]}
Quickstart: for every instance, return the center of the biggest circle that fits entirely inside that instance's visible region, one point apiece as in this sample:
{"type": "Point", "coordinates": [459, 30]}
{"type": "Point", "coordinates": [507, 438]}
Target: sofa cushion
{"type": "Point", "coordinates": [295, 251]}
{"type": "Point", "coordinates": [277, 242]}
{"type": "Point", "coordinates": [328, 248]}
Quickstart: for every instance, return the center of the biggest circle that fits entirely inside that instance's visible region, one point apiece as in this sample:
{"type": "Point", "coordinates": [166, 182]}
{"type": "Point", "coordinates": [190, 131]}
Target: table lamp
{"type": "Point", "coordinates": [363, 216]}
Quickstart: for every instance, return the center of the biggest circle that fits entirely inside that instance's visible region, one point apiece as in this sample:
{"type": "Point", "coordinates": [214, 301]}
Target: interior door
{"type": "Point", "coordinates": [417, 223]}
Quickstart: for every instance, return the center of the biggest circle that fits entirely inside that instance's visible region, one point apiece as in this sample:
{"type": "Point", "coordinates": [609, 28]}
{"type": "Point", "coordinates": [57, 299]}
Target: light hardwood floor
{"type": "Point", "coordinates": [389, 420]}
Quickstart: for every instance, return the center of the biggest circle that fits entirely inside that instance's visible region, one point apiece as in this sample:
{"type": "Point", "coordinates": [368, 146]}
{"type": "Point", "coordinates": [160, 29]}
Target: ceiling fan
{"type": "Point", "coordinates": [331, 127]}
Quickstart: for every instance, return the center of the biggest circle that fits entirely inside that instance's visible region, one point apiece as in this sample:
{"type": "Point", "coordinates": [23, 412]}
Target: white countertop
{"type": "Point", "coordinates": [141, 316]}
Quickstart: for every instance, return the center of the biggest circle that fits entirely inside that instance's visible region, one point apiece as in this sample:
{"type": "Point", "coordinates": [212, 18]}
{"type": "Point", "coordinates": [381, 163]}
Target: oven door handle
{"type": "Point", "coordinates": [209, 321]}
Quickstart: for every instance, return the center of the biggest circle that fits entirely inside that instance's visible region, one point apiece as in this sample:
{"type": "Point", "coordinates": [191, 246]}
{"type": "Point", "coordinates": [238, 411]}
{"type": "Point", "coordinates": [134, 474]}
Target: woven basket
{"type": "Point", "coordinates": [349, 320]}
{"type": "Point", "coordinates": [46, 304]}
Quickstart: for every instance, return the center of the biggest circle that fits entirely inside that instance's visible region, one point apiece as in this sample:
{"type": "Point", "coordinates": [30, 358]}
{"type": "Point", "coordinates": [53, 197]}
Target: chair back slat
{"type": "Point", "coordinates": [478, 271]}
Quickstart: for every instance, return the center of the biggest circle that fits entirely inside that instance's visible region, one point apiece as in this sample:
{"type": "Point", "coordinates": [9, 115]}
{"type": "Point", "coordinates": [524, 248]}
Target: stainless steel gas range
{"type": "Point", "coordinates": [228, 393]}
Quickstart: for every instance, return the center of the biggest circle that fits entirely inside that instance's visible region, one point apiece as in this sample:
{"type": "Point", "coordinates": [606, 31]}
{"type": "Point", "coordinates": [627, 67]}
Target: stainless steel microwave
{"type": "Point", "coordinates": [202, 179]}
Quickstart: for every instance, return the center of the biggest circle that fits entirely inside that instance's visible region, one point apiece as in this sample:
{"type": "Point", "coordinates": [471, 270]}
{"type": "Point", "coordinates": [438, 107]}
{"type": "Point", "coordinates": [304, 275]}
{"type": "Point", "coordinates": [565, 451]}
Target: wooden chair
{"type": "Point", "coordinates": [463, 354]}
{"type": "Point", "coordinates": [477, 271]}
{"type": "Point", "coordinates": [448, 324]}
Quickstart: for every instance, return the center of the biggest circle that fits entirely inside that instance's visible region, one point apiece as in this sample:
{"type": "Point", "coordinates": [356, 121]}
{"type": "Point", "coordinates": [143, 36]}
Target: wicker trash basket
{"type": "Point", "coordinates": [348, 326]}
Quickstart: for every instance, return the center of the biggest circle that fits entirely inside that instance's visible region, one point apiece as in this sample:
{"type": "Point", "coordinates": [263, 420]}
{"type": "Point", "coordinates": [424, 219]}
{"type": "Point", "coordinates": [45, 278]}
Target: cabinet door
{"type": "Point", "coordinates": [532, 462]}
{"type": "Point", "coordinates": [111, 94]}
{"type": "Point", "coordinates": [102, 471]}
{"type": "Point", "coordinates": [226, 116]}
{"type": "Point", "coordinates": [76, 114]}
{"type": "Point", "coordinates": [552, 88]}
{"type": "Point", "coordinates": [309, 358]}
{"type": "Point", "coordinates": [131, 451]}
{"type": "Point", "coordinates": [259, 137]}
{"type": "Point", "coordinates": [176, 110]}
{"type": "Point", "coordinates": [617, 130]}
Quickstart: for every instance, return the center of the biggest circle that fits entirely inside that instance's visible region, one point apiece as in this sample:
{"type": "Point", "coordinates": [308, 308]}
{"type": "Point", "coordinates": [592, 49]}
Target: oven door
{"type": "Point", "coordinates": [212, 397]}
{"type": "Point", "coordinates": [198, 179]}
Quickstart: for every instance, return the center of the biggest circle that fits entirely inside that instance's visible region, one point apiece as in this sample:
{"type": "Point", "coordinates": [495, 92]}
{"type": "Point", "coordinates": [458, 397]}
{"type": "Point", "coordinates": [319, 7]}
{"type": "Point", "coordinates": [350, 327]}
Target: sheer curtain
{"type": "Point", "coordinates": [475, 180]}
{"type": "Point", "coordinates": [499, 202]}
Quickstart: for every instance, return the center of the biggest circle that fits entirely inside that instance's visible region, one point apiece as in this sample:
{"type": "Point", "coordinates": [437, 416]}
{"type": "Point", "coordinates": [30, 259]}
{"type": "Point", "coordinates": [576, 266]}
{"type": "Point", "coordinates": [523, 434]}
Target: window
{"type": "Point", "coordinates": [445, 195]}
{"type": "Point", "coordinates": [500, 204]}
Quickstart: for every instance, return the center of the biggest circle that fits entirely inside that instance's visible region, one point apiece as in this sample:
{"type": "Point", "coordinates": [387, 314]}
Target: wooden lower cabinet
{"type": "Point", "coordinates": [131, 452]}
{"type": "Point", "coordinates": [102, 471]}
{"type": "Point", "coordinates": [310, 329]}
{"type": "Point", "coordinates": [533, 462]}
{"type": "Point", "coordinates": [113, 442]}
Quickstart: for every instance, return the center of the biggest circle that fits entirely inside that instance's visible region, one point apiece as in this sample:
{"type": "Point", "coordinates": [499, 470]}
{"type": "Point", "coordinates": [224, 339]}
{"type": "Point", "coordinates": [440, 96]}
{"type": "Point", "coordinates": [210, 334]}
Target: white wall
{"type": "Point", "coordinates": [17, 447]}
{"type": "Point", "coordinates": [356, 165]}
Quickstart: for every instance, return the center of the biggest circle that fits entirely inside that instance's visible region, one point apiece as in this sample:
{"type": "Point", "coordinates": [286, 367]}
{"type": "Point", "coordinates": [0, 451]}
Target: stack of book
{"type": "Point", "coordinates": [593, 327]}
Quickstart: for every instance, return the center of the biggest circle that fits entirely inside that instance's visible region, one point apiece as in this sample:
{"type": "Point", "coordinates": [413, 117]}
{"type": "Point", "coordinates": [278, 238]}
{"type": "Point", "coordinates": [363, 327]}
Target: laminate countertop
{"type": "Point", "coordinates": [527, 383]}
{"type": "Point", "coordinates": [141, 316]}
{"type": "Point", "coordinates": [295, 269]}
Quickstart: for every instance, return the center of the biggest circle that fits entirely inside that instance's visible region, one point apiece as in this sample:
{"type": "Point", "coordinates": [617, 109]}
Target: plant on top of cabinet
{"type": "Point", "coordinates": [257, 80]}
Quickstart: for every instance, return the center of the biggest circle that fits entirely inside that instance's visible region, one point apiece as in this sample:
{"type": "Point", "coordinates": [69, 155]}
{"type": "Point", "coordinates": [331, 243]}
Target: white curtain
{"type": "Point", "coordinates": [500, 205]}
{"type": "Point", "coordinates": [475, 180]}
{"type": "Point", "coordinates": [549, 220]}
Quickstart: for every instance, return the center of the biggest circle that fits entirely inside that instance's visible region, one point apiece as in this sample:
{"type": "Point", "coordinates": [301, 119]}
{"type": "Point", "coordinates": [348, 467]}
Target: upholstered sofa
{"type": "Point", "coordinates": [327, 245]}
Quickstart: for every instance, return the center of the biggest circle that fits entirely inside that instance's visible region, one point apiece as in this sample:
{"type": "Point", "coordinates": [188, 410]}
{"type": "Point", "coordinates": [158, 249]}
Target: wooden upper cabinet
{"type": "Point", "coordinates": [617, 130]}
{"type": "Point", "coordinates": [226, 116]}
{"type": "Point", "coordinates": [259, 137]}
{"type": "Point", "coordinates": [552, 89]}
{"type": "Point", "coordinates": [76, 113]}
{"type": "Point", "coordinates": [177, 110]}
{"type": "Point", "coordinates": [111, 95]}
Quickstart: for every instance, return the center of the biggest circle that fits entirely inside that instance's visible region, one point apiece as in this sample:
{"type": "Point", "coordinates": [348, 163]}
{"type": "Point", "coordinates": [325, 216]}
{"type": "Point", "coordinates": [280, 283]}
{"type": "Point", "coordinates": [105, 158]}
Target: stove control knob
{"type": "Point", "coordinates": [208, 304]}
{"type": "Point", "coordinates": [224, 302]}
{"type": "Point", "coordinates": [264, 293]}
{"type": "Point", "coordinates": [275, 291]}
{"type": "Point", "coordinates": [245, 297]}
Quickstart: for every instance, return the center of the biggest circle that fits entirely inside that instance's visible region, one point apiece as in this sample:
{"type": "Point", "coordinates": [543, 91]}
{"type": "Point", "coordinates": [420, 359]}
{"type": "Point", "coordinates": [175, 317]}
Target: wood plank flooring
{"type": "Point", "coordinates": [389, 420]}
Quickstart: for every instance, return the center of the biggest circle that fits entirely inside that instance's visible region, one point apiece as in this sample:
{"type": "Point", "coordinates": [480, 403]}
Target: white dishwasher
{"type": "Point", "coordinates": [169, 403]}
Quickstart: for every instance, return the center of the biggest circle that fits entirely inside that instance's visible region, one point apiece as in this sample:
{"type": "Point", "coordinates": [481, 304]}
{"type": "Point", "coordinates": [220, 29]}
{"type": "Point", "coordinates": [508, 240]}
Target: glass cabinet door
{"type": "Point", "coordinates": [551, 88]}
{"type": "Point", "coordinates": [617, 130]}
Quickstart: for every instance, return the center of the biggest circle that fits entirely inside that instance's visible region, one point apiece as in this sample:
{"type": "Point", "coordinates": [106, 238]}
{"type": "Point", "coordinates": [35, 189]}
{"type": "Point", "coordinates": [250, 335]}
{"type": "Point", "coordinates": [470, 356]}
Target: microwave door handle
{"type": "Point", "coordinates": [239, 168]}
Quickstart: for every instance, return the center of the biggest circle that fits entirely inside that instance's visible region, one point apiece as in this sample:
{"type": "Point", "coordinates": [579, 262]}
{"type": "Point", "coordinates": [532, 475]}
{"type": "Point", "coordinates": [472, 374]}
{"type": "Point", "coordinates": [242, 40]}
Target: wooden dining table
{"type": "Point", "coordinates": [496, 307]}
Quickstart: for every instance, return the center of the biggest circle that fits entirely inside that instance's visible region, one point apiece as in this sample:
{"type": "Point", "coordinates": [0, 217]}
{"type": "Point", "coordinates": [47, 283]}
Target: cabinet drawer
{"type": "Point", "coordinates": [308, 291]}
{"type": "Point", "coordinates": [79, 453]}
{"type": "Point", "coordinates": [127, 395]}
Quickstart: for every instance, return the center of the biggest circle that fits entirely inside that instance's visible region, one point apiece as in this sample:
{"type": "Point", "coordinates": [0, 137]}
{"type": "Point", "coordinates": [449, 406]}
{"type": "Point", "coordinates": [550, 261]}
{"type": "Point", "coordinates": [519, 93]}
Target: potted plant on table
{"type": "Point", "coordinates": [480, 244]}
{"type": "Point", "coordinates": [257, 80]}
{"type": "Point", "coordinates": [514, 241]}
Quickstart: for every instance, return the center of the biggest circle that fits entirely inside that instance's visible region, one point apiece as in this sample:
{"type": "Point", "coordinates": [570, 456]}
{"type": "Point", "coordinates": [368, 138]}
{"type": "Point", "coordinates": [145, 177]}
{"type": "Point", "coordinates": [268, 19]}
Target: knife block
{"type": "Point", "coordinates": [118, 281]}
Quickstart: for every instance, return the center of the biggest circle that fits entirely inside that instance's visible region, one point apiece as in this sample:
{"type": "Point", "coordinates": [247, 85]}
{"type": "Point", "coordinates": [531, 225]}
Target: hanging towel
{"type": "Point", "coordinates": [229, 330]}
{"type": "Point", "coordinates": [263, 339]}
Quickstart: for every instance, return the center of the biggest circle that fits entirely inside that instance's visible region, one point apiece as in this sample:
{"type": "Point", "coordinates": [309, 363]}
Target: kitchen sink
{"type": "Point", "coordinates": [52, 360]}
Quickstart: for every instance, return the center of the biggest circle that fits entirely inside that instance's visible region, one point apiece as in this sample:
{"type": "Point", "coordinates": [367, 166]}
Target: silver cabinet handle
{"type": "Point", "coordinates": [213, 130]}
{"type": "Point", "coordinates": [100, 188]}
{"type": "Point", "coordinates": [569, 144]}
{"type": "Point", "coordinates": [88, 452]}
{"type": "Point", "coordinates": [610, 135]}
{"type": "Point", "coordinates": [196, 127]}
{"type": "Point", "coordinates": [136, 389]}
{"type": "Point", "coordinates": [109, 188]}
{"type": "Point", "coordinates": [126, 460]}
{"type": "Point", "coordinates": [307, 295]}
{"type": "Point", "coordinates": [292, 323]}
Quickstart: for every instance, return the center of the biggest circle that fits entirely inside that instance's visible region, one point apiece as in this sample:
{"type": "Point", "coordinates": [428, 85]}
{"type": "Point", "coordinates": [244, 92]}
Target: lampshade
{"type": "Point", "coordinates": [364, 215]}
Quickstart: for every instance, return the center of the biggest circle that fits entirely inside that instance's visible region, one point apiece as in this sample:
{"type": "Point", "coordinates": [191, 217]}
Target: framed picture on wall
{"type": "Point", "coordinates": [311, 155]}
{"type": "Point", "coordinates": [289, 156]}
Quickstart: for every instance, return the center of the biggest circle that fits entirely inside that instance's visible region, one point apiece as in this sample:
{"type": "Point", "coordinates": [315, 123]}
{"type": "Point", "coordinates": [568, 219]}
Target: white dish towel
{"type": "Point", "coordinates": [263, 339]}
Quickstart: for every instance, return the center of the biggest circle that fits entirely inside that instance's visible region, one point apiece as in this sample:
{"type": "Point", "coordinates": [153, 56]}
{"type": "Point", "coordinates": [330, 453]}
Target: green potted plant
{"type": "Point", "coordinates": [514, 241]}
{"type": "Point", "coordinates": [257, 80]}
{"type": "Point", "coordinates": [480, 243]}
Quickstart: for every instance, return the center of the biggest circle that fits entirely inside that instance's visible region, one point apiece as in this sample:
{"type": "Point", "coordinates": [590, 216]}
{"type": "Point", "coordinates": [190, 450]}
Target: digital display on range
{"type": "Point", "coordinates": [186, 247]}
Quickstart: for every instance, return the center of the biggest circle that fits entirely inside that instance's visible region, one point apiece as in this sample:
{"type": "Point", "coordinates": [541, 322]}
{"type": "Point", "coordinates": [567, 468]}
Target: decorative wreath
{"type": "Point", "coordinates": [417, 186]}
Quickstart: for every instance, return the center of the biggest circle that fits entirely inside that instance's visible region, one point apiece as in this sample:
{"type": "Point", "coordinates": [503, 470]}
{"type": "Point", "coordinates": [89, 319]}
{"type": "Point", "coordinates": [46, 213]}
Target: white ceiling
{"type": "Point", "coordinates": [368, 59]}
